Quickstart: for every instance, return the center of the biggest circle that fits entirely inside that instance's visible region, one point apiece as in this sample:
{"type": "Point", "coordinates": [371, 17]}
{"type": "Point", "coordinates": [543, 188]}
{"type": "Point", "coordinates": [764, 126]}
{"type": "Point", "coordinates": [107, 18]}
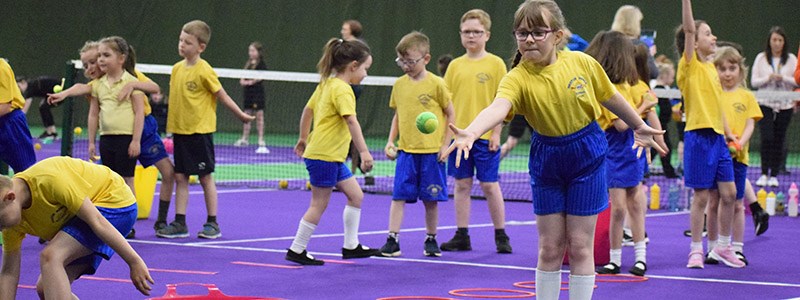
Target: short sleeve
{"type": "Point", "coordinates": [210, 80]}
{"type": "Point", "coordinates": [312, 101]}
{"type": "Point", "coordinates": [603, 88]}
{"type": "Point", "coordinates": [345, 102]}
{"type": "Point", "coordinates": [511, 90]}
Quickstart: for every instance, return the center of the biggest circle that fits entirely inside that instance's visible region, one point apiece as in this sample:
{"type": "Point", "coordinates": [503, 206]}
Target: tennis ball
{"type": "Point", "coordinates": [78, 130]}
{"type": "Point", "coordinates": [308, 185]}
{"type": "Point", "coordinates": [37, 146]}
{"type": "Point", "coordinates": [57, 89]}
{"type": "Point", "coordinates": [193, 179]}
{"type": "Point", "coordinates": [283, 184]}
{"type": "Point", "coordinates": [427, 122]}
{"type": "Point", "coordinates": [391, 153]}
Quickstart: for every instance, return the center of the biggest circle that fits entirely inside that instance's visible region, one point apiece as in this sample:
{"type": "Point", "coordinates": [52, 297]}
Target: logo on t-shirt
{"type": "Point", "coordinates": [577, 85]}
{"type": "Point", "coordinates": [424, 99]}
{"type": "Point", "coordinates": [483, 77]}
{"type": "Point", "coordinates": [191, 86]}
{"type": "Point", "coordinates": [739, 108]}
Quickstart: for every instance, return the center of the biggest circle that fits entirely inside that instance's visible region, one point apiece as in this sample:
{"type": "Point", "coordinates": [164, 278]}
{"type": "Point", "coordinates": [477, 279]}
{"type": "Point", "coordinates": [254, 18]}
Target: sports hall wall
{"type": "Point", "coordinates": [38, 37]}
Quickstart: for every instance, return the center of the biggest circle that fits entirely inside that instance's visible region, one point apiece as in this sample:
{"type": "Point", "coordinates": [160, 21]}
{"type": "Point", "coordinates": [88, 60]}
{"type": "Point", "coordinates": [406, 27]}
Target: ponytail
{"type": "Point", "coordinates": [338, 53]}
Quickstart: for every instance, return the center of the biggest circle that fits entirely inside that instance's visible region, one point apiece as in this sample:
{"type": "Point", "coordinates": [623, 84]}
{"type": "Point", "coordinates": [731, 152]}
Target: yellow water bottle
{"type": "Point", "coordinates": [655, 197]}
{"type": "Point", "coordinates": [762, 197]}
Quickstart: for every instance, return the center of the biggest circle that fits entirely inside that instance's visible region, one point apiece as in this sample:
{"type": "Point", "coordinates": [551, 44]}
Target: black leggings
{"type": "Point", "coordinates": [773, 137]}
{"type": "Point", "coordinates": [46, 114]}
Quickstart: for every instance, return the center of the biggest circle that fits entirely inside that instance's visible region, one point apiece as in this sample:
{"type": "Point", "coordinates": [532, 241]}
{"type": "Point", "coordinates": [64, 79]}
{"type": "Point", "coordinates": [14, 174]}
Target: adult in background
{"type": "Point", "coordinates": [772, 71]}
{"type": "Point", "coordinates": [39, 87]}
{"type": "Point", "coordinates": [628, 20]}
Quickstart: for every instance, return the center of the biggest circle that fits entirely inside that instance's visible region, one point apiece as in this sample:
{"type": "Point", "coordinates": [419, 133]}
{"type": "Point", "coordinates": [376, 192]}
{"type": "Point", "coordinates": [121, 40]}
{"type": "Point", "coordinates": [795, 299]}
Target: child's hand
{"type": "Point", "coordinates": [646, 106]}
{"type": "Point", "coordinates": [494, 142]}
{"type": "Point", "coordinates": [134, 148]}
{"type": "Point", "coordinates": [245, 118]}
{"type": "Point", "coordinates": [56, 98]}
{"type": "Point", "coordinates": [366, 161]}
{"type": "Point", "coordinates": [442, 158]}
{"type": "Point", "coordinates": [462, 144]}
{"type": "Point", "coordinates": [92, 152]}
{"type": "Point", "coordinates": [644, 138]}
{"type": "Point", "coordinates": [125, 92]}
{"type": "Point", "coordinates": [300, 147]}
{"type": "Point", "coordinates": [390, 150]}
{"type": "Point", "coordinates": [140, 277]}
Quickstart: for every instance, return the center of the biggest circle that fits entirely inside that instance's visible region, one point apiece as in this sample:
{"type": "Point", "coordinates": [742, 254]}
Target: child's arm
{"type": "Point", "coordinates": [358, 140]}
{"type": "Point", "coordinates": [305, 128]}
{"type": "Point", "coordinates": [748, 132]}
{"type": "Point", "coordinates": [228, 102]}
{"type": "Point", "coordinates": [108, 234]}
{"type": "Point", "coordinates": [148, 87]}
{"type": "Point", "coordinates": [94, 115]}
{"type": "Point", "coordinates": [392, 137]}
{"type": "Point", "coordinates": [494, 139]}
{"type": "Point", "coordinates": [644, 135]}
{"type": "Point", "coordinates": [79, 89]}
{"type": "Point", "coordinates": [450, 114]}
{"type": "Point", "coordinates": [488, 118]}
{"type": "Point", "coordinates": [688, 29]}
{"type": "Point", "coordinates": [138, 125]}
{"type": "Point", "coordinates": [9, 274]}
{"type": "Point", "coordinates": [27, 106]}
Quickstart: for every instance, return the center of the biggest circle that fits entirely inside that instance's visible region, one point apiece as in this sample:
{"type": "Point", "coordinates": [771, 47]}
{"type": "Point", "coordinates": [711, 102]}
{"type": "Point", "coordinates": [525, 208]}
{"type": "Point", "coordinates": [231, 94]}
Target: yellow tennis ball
{"type": "Point", "coordinates": [427, 122]}
{"type": "Point", "coordinates": [57, 89]}
{"type": "Point", "coordinates": [37, 146]}
{"type": "Point", "coordinates": [78, 130]}
{"type": "Point", "coordinates": [308, 185]}
{"type": "Point", "coordinates": [283, 184]}
{"type": "Point", "coordinates": [193, 179]}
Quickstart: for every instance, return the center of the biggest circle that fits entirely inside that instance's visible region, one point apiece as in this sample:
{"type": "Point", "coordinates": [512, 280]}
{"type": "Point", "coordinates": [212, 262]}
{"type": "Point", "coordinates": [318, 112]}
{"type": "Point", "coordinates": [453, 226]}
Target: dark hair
{"type": "Point", "coordinates": [260, 48]}
{"type": "Point", "coordinates": [122, 47]}
{"type": "Point", "coordinates": [784, 52]}
{"type": "Point", "coordinates": [337, 53]}
{"type": "Point", "coordinates": [537, 13]}
{"type": "Point", "coordinates": [443, 62]}
{"type": "Point", "coordinates": [733, 45]}
{"type": "Point", "coordinates": [614, 51]}
{"type": "Point", "coordinates": [680, 36]}
{"type": "Point", "coordinates": [355, 28]}
{"type": "Point", "coordinates": [641, 54]}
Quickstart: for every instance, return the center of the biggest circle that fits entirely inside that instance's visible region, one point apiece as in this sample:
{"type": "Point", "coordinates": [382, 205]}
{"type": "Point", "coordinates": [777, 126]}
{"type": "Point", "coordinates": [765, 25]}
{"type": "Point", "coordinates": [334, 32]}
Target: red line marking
{"type": "Point", "coordinates": [333, 261]}
{"type": "Point", "coordinates": [182, 271]}
{"type": "Point", "coordinates": [25, 286]}
{"type": "Point", "coordinates": [106, 279]}
{"type": "Point", "coordinates": [244, 263]}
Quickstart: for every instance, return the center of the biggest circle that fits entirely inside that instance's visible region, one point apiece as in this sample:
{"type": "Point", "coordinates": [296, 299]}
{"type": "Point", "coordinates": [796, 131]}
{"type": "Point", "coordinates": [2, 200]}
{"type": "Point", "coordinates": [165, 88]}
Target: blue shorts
{"type": "Point", "coordinates": [568, 173]}
{"type": "Point", "coordinates": [487, 163]}
{"type": "Point", "coordinates": [419, 176]}
{"type": "Point", "coordinates": [121, 218]}
{"type": "Point", "coordinates": [739, 178]}
{"type": "Point", "coordinates": [152, 148]}
{"type": "Point", "coordinates": [706, 159]}
{"type": "Point", "coordinates": [325, 173]}
{"type": "Point", "coordinates": [16, 146]}
{"type": "Point", "coordinates": [623, 169]}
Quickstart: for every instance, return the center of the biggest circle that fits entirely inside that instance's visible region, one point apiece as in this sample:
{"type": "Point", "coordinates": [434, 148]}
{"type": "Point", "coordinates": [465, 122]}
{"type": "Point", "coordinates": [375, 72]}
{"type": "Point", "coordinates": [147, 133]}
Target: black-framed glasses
{"type": "Point", "coordinates": [472, 33]}
{"type": "Point", "coordinates": [407, 62]}
{"type": "Point", "coordinates": [537, 35]}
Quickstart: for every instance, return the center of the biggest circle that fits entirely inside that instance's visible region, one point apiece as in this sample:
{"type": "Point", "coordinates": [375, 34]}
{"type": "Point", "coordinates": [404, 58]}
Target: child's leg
{"type": "Point", "coordinates": [697, 216]}
{"type": "Point", "coordinates": [727, 202]}
{"type": "Point", "coordinates": [351, 215]}
{"type": "Point", "coordinates": [209, 193]}
{"type": "Point", "coordinates": [712, 219]}
{"type": "Point", "coordinates": [618, 211]}
{"type": "Point", "coordinates": [167, 171]}
{"type": "Point", "coordinates": [181, 193]}
{"type": "Point", "coordinates": [246, 126]}
{"type": "Point", "coordinates": [636, 202]}
{"type": "Point", "coordinates": [431, 216]}
{"type": "Point", "coordinates": [260, 124]}
{"type": "Point", "coordinates": [494, 199]}
{"type": "Point", "coordinates": [396, 215]}
{"type": "Point", "coordinates": [59, 252]}
{"type": "Point", "coordinates": [580, 237]}
{"type": "Point", "coordinates": [319, 202]}
{"type": "Point", "coordinates": [463, 201]}
{"type": "Point", "coordinates": [738, 224]}
{"type": "Point", "coordinates": [552, 244]}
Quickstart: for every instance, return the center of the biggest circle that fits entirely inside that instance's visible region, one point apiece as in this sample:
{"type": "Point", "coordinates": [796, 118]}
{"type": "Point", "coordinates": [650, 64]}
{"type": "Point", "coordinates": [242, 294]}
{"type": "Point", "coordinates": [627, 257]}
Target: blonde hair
{"type": "Point", "coordinates": [414, 40]}
{"type": "Point", "coordinates": [480, 15]}
{"type": "Point", "coordinates": [88, 46]}
{"type": "Point", "coordinates": [731, 55]}
{"type": "Point", "coordinates": [198, 29]}
{"type": "Point", "coordinates": [337, 53]}
{"type": "Point", "coordinates": [628, 20]}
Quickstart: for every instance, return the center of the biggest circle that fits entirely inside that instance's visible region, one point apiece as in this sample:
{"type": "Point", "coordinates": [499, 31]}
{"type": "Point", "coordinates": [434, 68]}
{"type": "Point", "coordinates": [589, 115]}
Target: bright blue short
{"type": "Point", "coordinates": [325, 173]}
{"type": "Point", "coordinates": [706, 159]}
{"type": "Point", "coordinates": [16, 146]}
{"type": "Point", "coordinates": [152, 148]}
{"type": "Point", "coordinates": [487, 163]}
{"type": "Point", "coordinates": [568, 173]}
{"type": "Point", "coordinates": [121, 218]}
{"type": "Point", "coordinates": [623, 169]}
{"type": "Point", "coordinates": [419, 176]}
{"type": "Point", "coordinates": [739, 178]}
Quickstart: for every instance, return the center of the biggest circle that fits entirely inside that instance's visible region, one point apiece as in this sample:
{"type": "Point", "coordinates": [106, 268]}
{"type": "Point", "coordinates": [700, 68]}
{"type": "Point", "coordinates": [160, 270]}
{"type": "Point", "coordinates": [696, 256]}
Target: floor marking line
{"type": "Point", "coordinates": [247, 263]}
{"type": "Point", "coordinates": [106, 279]}
{"type": "Point", "coordinates": [182, 271]}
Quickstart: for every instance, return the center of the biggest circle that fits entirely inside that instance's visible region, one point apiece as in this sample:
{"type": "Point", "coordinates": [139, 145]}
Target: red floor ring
{"type": "Point", "coordinates": [519, 294]}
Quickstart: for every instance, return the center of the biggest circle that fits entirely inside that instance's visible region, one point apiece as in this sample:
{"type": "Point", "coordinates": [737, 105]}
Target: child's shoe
{"type": "Point", "coordinates": [391, 248]}
{"type": "Point", "coordinates": [360, 251]}
{"type": "Point", "coordinates": [210, 231]}
{"type": "Point", "coordinates": [432, 248]}
{"type": "Point", "coordinates": [695, 259]}
{"type": "Point", "coordinates": [303, 258]}
{"type": "Point", "coordinates": [173, 231]}
{"type": "Point", "coordinates": [726, 256]}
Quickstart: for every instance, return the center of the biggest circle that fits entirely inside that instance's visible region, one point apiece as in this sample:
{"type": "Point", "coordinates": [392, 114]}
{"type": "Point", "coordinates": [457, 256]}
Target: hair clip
{"type": "Point", "coordinates": [340, 41]}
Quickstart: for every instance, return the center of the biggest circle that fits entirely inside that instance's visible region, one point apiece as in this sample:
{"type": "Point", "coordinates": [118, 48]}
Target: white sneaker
{"type": "Point", "coordinates": [773, 182]}
{"type": "Point", "coordinates": [762, 181]}
{"type": "Point", "coordinates": [241, 142]}
{"type": "Point", "coordinates": [262, 150]}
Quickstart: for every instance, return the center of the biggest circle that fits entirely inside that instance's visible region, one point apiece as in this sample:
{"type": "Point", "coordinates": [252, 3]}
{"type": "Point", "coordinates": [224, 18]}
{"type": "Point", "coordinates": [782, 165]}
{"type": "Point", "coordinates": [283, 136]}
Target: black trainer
{"type": "Point", "coordinates": [131, 235]}
{"type": "Point", "coordinates": [391, 248]}
{"type": "Point", "coordinates": [159, 225]}
{"type": "Point", "coordinates": [432, 248]}
{"type": "Point", "coordinates": [360, 251]}
{"type": "Point", "coordinates": [761, 222]}
{"type": "Point", "coordinates": [688, 232]}
{"type": "Point", "coordinates": [459, 242]}
{"type": "Point", "coordinates": [609, 268]}
{"type": "Point", "coordinates": [503, 246]}
{"type": "Point", "coordinates": [639, 268]}
{"type": "Point", "coordinates": [303, 258]}
{"type": "Point", "coordinates": [741, 257]}
{"type": "Point", "coordinates": [710, 260]}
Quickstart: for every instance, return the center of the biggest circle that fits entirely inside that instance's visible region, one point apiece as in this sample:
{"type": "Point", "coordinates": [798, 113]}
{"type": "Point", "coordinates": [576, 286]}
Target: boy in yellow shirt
{"type": "Point", "coordinates": [194, 90]}
{"type": "Point", "coordinates": [16, 148]}
{"type": "Point", "coordinates": [82, 209]}
{"type": "Point", "coordinates": [419, 173]}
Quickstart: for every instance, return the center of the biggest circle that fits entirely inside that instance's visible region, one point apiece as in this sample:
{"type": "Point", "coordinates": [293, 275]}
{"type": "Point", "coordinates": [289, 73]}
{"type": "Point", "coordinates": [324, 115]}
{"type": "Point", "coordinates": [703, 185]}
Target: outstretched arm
{"type": "Point", "coordinates": [79, 89]}
{"type": "Point", "coordinates": [231, 105]}
{"type": "Point", "coordinates": [488, 118]}
{"type": "Point", "coordinates": [644, 134]}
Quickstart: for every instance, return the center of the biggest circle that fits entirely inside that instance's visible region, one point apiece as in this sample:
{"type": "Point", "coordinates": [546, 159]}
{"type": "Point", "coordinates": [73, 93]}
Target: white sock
{"type": "Point", "coordinates": [616, 256]}
{"type": "Point", "coordinates": [712, 245]}
{"type": "Point", "coordinates": [304, 232]}
{"type": "Point", "coordinates": [724, 241]}
{"type": "Point", "coordinates": [351, 217]}
{"type": "Point", "coordinates": [548, 284]}
{"type": "Point", "coordinates": [737, 246]}
{"type": "Point", "coordinates": [580, 287]}
{"type": "Point", "coordinates": [640, 248]}
{"type": "Point", "coordinates": [697, 246]}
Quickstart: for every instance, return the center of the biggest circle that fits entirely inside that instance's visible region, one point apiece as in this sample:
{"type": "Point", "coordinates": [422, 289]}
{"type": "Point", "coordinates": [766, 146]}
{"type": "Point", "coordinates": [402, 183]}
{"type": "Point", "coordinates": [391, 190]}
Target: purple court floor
{"type": "Point", "coordinates": [258, 225]}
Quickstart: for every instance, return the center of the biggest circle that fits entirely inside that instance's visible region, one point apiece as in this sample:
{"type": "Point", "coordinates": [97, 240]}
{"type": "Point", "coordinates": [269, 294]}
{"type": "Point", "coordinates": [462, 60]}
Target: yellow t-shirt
{"type": "Point", "coordinates": [192, 98]}
{"type": "Point", "coordinates": [58, 187]}
{"type": "Point", "coordinates": [641, 92]}
{"type": "Point", "coordinates": [409, 99]}
{"type": "Point", "coordinates": [558, 99]}
{"type": "Point", "coordinates": [699, 84]}
{"type": "Point", "coordinates": [116, 117]}
{"type": "Point", "coordinates": [9, 91]}
{"type": "Point", "coordinates": [606, 119]}
{"type": "Point", "coordinates": [143, 78]}
{"type": "Point", "coordinates": [330, 137]}
{"type": "Point", "coordinates": [739, 106]}
{"type": "Point", "coordinates": [473, 83]}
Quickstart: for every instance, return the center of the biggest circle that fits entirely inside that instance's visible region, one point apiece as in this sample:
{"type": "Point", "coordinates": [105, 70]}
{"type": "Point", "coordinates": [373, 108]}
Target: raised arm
{"type": "Point", "coordinates": [689, 29]}
{"type": "Point", "coordinates": [79, 89]}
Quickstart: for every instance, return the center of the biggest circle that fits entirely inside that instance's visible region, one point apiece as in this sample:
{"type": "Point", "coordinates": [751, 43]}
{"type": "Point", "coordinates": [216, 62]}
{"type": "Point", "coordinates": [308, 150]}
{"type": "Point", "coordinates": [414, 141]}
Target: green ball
{"type": "Point", "coordinates": [427, 122]}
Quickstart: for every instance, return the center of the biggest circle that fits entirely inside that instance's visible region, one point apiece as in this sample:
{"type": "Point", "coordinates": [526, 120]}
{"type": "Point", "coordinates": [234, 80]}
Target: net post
{"type": "Point", "coordinates": [67, 136]}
